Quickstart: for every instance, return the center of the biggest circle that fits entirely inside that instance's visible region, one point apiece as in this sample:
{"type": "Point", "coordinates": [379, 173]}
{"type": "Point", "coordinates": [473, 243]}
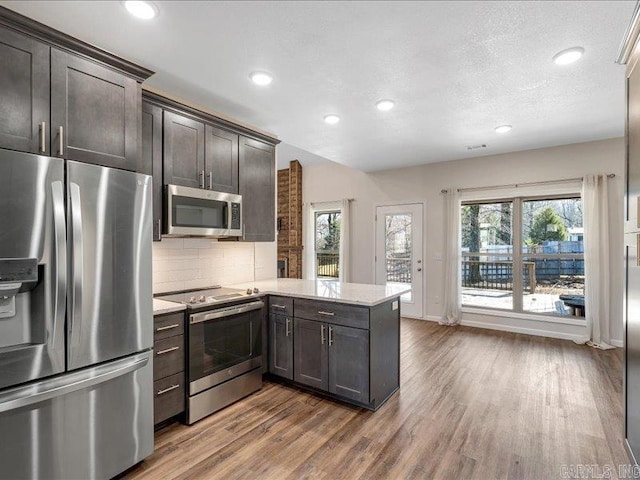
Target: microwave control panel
{"type": "Point", "coordinates": [235, 216]}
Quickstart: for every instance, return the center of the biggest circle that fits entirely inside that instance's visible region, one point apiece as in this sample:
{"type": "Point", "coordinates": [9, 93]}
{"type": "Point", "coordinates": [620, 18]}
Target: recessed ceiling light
{"type": "Point", "coordinates": [139, 9]}
{"type": "Point", "coordinates": [261, 78]}
{"type": "Point", "coordinates": [503, 128]}
{"type": "Point", "coordinates": [568, 56]}
{"type": "Point", "coordinates": [385, 105]}
{"type": "Point", "coordinates": [331, 119]}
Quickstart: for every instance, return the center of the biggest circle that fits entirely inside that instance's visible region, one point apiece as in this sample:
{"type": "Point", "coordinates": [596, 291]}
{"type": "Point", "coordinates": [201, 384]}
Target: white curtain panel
{"type": "Point", "coordinates": [452, 301]}
{"type": "Point", "coordinates": [345, 241]}
{"type": "Point", "coordinates": [595, 202]}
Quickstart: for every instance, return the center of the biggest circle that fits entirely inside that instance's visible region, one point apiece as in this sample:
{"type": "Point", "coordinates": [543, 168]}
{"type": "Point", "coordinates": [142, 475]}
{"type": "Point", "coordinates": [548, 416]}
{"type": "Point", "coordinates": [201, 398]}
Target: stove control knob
{"type": "Point", "coordinates": [256, 290]}
{"type": "Point", "coordinates": [192, 299]}
{"type": "Point", "coordinates": [201, 298]}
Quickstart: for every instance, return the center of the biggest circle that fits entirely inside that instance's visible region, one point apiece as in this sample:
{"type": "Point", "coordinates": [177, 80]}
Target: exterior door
{"type": "Point", "coordinates": [399, 253]}
{"type": "Point", "coordinates": [109, 234]}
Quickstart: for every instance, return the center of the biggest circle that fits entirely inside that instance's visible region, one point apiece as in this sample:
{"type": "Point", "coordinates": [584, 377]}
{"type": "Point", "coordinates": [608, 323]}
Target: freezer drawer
{"type": "Point", "coordinates": [92, 423]}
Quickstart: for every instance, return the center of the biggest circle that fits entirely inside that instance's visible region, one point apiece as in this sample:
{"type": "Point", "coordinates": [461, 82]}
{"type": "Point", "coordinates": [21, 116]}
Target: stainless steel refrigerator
{"type": "Point", "coordinates": [76, 317]}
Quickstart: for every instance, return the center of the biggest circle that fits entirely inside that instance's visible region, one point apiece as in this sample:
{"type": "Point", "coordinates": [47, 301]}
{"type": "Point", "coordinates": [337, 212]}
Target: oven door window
{"type": "Point", "coordinates": [219, 344]}
{"type": "Point", "coordinates": [198, 212]}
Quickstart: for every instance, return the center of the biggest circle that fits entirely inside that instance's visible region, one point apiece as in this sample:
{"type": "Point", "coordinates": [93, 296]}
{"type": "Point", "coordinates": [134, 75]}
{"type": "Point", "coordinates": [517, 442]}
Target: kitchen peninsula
{"type": "Point", "coordinates": [334, 338]}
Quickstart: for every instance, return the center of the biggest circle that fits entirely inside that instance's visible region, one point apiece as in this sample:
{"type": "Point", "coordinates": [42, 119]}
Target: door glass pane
{"type": "Point", "coordinates": [398, 250]}
{"type": "Point", "coordinates": [327, 226]}
{"type": "Point", "coordinates": [487, 261]}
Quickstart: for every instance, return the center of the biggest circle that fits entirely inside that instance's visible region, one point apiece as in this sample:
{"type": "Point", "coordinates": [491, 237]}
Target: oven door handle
{"type": "Point", "coordinates": [225, 312]}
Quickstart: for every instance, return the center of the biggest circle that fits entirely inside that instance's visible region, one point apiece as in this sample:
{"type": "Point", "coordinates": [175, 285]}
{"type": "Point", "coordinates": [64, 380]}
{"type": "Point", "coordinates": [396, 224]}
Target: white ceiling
{"type": "Point", "coordinates": [455, 70]}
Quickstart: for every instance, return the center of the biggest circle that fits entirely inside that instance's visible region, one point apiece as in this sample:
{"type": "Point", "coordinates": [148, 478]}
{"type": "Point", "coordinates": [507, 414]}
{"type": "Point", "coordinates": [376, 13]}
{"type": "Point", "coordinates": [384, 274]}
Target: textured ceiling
{"type": "Point", "coordinates": [455, 70]}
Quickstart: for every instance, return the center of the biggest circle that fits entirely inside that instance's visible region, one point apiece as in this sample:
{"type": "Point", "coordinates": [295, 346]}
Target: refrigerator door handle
{"type": "Point", "coordinates": [75, 317]}
{"type": "Point", "coordinates": [60, 265]}
{"type": "Point", "coordinates": [57, 387]}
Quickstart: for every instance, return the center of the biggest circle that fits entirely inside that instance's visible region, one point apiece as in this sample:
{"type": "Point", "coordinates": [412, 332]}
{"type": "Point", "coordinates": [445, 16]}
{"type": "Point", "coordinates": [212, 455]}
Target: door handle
{"type": "Point", "coordinates": [60, 265]}
{"type": "Point", "coordinates": [61, 140]}
{"type": "Point", "coordinates": [322, 334]}
{"type": "Point", "coordinates": [43, 137]}
{"type": "Point", "coordinates": [77, 263]}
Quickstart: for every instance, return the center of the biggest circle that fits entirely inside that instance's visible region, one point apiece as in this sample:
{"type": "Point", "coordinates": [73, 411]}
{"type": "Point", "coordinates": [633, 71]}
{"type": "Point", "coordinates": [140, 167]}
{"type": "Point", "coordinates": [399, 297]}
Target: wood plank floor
{"type": "Point", "coordinates": [473, 404]}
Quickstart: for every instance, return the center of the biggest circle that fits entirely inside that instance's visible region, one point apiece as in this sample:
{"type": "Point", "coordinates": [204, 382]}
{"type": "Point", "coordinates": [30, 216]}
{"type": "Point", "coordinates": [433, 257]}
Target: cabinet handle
{"type": "Point", "coordinates": [43, 137]}
{"type": "Point", "coordinates": [638, 250]}
{"type": "Point", "coordinates": [168, 389]}
{"type": "Point", "coordinates": [328, 314]}
{"type": "Point", "coordinates": [201, 184]}
{"type": "Point", "coordinates": [330, 336]}
{"type": "Point", "coordinates": [288, 326]}
{"type": "Point", "coordinates": [172, 349]}
{"type": "Point", "coordinates": [210, 180]}
{"type": "Point", "coordinates": [322, 334]}
{"type": "Point", "coordinates": [281, 307]}
{"type": "Point", "coordinates": [168, 327]}
{"type": "Point", "coordinates": [60, 140]}
{"type": "Point", "coordinates": [244, 229]}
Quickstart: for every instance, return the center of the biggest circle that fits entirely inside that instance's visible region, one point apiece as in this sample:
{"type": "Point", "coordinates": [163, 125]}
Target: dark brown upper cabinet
{"type": "Point", "coordinates": [24, 93]}
{"type": "Point", "coordinates": [257, 186]}
{"type": "Point", "coordinates": [94, 112]}
{"type": "Point", "coordinates": [183, 151]}
{"type": "Point", "coordinates": [152, 159]}
{"type": "Point", "coordinates": [63, 97]}
{"type": "Point", "coordinates": [221, 160]}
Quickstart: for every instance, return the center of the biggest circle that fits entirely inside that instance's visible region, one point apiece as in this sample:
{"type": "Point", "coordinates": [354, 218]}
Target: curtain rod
{"type": "Point", "coordinates": [527, 184]}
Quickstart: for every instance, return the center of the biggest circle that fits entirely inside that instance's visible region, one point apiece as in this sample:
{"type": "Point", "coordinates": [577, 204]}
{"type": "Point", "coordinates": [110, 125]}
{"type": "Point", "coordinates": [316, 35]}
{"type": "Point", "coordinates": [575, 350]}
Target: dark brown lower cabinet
{"type": "Point", "coordinates": [281, 345]}
{"type": "Point", "coordinates": [168, 366]}
{"type": "Point", "coordinates": [310, 352]}
{"type": "Point", "coordinates": [351, 352]}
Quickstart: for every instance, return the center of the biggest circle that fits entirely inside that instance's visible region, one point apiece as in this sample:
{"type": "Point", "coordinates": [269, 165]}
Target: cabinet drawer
{"type": "Point", "coordinates": [281, 305]}
{"type": "Point", "coordinates": [335, 313]}
{"type": "Point", "coordinates": [165, 326]}
{"type": "Point", "coordinates": [168, 357]}
{"type": "Point", "coordinates": [168, 397]}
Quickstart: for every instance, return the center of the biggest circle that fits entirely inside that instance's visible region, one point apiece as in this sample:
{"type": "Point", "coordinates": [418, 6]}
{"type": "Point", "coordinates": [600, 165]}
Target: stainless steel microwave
{"type": "Point", "coordinates": [194, 212]}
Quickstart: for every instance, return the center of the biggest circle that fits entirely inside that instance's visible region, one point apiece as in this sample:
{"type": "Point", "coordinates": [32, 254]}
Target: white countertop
{"type": "Point", "coordinates": [163, 306]}
{"type": "Point", "coordinates": [329, 290]}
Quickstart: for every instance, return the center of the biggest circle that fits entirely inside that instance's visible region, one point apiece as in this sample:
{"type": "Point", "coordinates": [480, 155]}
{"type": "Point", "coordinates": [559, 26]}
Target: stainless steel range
{"type": "Point", "coordinates": [224, 347]}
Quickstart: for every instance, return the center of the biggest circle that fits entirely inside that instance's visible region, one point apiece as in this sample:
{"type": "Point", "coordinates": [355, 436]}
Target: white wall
{"type": "Point", "coordinates": [332, 181]}
{"type": "Point", "coordinates": [185, 263]}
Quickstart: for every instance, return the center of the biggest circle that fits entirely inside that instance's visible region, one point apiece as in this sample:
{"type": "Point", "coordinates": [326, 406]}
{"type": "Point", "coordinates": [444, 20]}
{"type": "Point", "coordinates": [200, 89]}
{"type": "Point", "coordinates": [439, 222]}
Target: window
{"type": "Point", "coordinates": [327, 243]}
{"type": "Point", "coordinates": [524, 255]}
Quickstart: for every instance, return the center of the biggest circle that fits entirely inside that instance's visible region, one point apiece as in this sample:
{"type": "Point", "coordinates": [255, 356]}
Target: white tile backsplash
{"type": "Point", "coordinates": [184, 263]}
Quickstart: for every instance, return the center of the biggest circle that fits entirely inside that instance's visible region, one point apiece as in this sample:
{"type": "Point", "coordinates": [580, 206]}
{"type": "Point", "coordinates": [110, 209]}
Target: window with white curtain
{"type": "Point", "coordinates": [327, 240]}
{"type": "Point", "coordinates": [524, 254]}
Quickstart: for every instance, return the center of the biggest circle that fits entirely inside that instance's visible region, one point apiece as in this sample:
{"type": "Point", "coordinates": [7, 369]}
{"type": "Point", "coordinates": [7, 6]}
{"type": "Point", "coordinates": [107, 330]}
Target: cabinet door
{"type": "Point", "coordinates": [221, 160]}
{"type": "Point", "coordinates": [310, 353]}
{"type": "Point", "coordinates": [94, 112]}
{"type": "Point", "coordinates": [257, 187]}
{"type": "Point", "coordinates": [281, 343]}
{"type": "Point", "coordinates": [24, 93]}
{"type": "Point", "coordinates": [183, 151]}
{"type": "Point", "coordinates": [152, 159]}
{"type": "Point", "coordinates": [349, 362]}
